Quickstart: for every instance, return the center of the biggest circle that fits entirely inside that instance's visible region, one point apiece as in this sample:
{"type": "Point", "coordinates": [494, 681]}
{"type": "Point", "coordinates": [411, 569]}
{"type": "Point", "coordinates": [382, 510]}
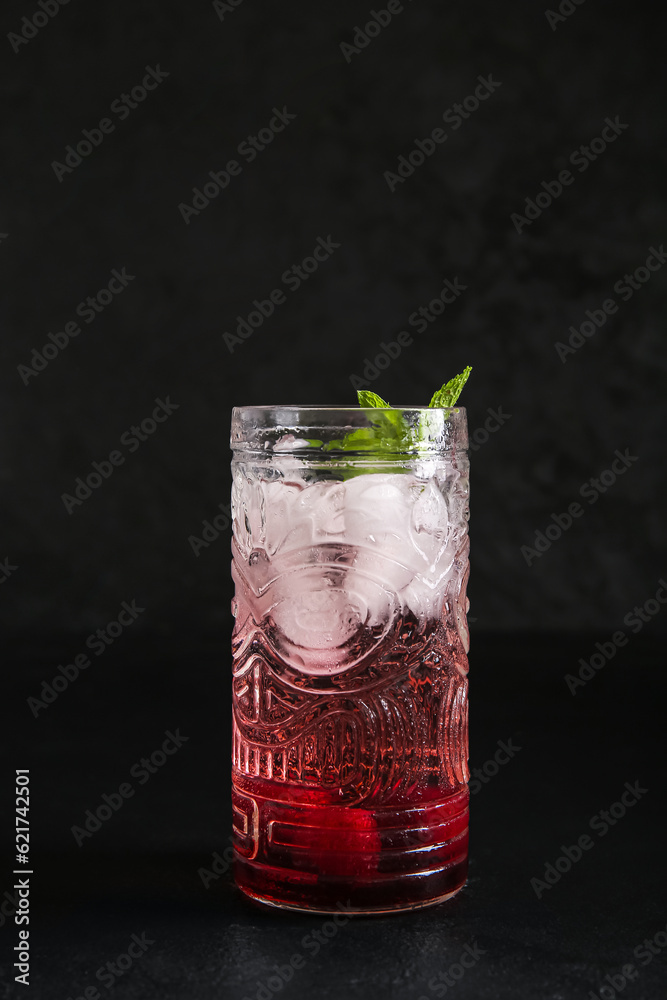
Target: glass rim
{"type": "Point", "coordinates": [319, 408]}
{"type": "Point", "coordinates": [273, 429]}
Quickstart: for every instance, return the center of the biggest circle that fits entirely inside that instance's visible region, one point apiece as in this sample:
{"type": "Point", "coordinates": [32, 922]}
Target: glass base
{"type": "Point", "coordinates": [367, 911]}
{"type": "Point", "coordinates": [337, 859]}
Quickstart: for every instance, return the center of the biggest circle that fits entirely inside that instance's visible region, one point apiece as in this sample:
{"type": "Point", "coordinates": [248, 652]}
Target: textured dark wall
{"type": "Point", "coordinates": [163, 335]}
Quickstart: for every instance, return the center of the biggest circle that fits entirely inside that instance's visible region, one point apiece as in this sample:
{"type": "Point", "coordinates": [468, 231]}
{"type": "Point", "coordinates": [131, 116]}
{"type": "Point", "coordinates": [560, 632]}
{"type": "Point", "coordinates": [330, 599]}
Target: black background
{"type": "Point", "coordinates": [163, 336]}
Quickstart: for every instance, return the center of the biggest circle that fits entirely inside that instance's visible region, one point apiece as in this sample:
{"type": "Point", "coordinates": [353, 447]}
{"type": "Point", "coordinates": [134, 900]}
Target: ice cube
{"type": "Point", "coordinates": [321, 505]}
{"type": "Point", "coordinates": [277, 501]}
{"type": "Point", "coordinates": [343, 555]}
{"type": "Point", "coordinates": [431, 533]}
{"type": "Point", "coordinates": [302, 515]}
{"type": "Point", "coordinates": [377, 523]}
{"type": "Point", "coordinates": [429, 523]}
{"type": "Point", "coordinates": [316, 618]}
{"type": "Point", "coordinates": [401, 528]}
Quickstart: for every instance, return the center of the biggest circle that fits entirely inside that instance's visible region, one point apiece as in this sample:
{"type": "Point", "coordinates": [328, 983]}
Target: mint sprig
{"type": "Point", "coordinates": [389, 433]}
{"type": "Point", "coordinates": [450, 392]}
{"type": "Point", "coordinates": [443, 398]}
{"type": "Point", "coordinates": [371, 399]}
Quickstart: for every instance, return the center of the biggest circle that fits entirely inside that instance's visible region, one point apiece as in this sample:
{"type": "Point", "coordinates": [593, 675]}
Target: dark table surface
{"type": "Point", "coordinates": [140, 874]}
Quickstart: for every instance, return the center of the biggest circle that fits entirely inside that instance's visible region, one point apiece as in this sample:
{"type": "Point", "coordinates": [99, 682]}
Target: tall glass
{"type": "Point", "coordinates": [350, 712]}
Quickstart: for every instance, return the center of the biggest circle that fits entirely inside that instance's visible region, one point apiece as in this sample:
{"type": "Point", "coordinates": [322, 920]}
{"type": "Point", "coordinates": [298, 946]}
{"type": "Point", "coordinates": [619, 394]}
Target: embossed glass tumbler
{"type": "Point", "coordinates": [350, 714]}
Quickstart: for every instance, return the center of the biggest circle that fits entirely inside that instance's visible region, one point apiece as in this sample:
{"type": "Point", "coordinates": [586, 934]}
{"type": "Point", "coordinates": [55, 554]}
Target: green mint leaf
{"type": "Point", "coordinates": [371, 399]}
{"type": "Point", "coordinates": [451, 391]}
{"type": "Point", "coordinates": [387, 432]}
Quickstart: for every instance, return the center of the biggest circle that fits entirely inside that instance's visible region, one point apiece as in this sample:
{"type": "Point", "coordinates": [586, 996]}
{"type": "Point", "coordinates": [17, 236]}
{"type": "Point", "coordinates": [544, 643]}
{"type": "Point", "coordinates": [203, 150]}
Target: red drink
{"type": "Point", "coordinates": [350, 686]}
